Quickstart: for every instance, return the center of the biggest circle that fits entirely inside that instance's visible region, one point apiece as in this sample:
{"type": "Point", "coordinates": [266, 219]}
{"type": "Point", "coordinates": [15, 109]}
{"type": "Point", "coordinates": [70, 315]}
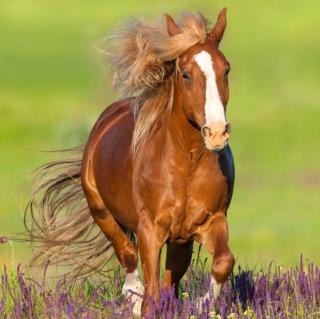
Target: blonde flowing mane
{"type": "Point", "coordinates": [143, 57]}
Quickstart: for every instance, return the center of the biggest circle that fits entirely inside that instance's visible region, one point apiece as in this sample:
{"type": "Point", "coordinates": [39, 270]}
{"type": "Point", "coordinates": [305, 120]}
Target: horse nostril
{"type": "Point", "coordinates": [226, 133]}
{"type": "Point", "coordinates": [228, 128]}
{"type": "Point", "coordinates": [205, 131]}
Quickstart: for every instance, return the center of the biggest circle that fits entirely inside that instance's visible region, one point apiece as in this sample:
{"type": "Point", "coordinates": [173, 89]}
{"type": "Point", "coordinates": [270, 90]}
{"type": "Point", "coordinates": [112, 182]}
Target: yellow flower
{"type": "Point", "coordinates": [248, 312]}
{"type": "Point", "coordinates": [185, 295]}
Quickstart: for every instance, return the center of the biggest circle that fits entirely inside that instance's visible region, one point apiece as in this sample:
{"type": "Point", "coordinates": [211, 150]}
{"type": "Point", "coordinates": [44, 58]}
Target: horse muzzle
{"type": "Point", "coordinates": [216, 135]}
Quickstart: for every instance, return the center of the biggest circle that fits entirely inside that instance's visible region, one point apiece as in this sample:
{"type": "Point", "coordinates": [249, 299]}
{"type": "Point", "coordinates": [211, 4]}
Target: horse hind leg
{"type": "Point", "coordinates": [177, 262]}
{"type": "Point", "coordinates": [125, 250]}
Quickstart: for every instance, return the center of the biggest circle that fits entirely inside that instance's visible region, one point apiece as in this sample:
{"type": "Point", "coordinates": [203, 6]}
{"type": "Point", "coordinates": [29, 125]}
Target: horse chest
{"type": "Point", "coordinates": [204, 195]}
{"type": "Point", "coordinates": [179, 196]}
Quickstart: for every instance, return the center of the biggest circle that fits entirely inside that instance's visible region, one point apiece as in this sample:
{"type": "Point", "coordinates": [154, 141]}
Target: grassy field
{"type": "Point", "coordinates": [271, 293]}
{"type": "Point", "coordinates": [54, 84]}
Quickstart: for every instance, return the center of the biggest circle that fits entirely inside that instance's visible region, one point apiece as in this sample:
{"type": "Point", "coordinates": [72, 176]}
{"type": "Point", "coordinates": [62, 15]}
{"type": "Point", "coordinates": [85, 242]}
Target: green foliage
{"type": "Point", "coordinates": [53, 85]}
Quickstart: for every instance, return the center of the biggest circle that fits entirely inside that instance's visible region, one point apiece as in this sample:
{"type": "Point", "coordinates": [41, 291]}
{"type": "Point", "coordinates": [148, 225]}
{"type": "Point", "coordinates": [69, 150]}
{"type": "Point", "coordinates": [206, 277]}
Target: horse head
{"type": "Point", "coordinates": [202, 84]}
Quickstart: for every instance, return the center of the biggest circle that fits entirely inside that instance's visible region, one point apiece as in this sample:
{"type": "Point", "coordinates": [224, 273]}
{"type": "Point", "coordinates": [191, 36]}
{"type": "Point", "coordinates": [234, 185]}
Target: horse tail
{"type": "Point", "coordinates": [58, 222]}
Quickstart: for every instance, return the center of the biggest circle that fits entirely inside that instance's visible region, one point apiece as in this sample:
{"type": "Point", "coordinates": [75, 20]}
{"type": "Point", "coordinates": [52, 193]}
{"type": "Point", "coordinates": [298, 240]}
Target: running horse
{"type": "Point", "coordinates": [157, 164]}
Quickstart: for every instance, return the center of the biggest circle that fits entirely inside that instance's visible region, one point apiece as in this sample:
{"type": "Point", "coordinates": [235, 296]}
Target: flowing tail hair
{"type": "Point", "coordinates": [58, 222]}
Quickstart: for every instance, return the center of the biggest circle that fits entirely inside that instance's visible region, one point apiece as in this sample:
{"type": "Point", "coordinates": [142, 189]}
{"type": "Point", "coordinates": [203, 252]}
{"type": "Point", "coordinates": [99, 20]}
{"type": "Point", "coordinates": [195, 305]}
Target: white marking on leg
{"type": "Point", "coordinates": [213, 292]}
{"type": "Point", "coordinates": [133, 283]}
{"type": "Point", "coordinates": [132, 288]}
{"type": "Point", "coordinates": [214, 289]}
{"type": "Point", "coordinates": [214, 110]}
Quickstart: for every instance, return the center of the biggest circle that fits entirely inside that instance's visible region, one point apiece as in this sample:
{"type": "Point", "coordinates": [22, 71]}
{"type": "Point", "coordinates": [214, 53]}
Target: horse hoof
{"type": "Point", "coordinates": [136, 302]}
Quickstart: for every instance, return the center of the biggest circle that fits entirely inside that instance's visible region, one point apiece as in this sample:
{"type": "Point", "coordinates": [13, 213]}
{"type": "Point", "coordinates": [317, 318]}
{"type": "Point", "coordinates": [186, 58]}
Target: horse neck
{"type": "Point", "coordinates": [185, 137]}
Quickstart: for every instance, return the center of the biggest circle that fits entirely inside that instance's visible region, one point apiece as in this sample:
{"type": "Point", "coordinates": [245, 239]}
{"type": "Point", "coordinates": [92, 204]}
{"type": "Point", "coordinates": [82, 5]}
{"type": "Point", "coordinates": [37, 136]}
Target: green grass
{"type": "Point", "coordinates": [54, 84]}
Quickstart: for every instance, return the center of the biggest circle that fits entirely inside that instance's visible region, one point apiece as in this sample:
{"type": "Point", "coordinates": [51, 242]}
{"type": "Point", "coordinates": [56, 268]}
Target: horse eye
{"type": "Point", "coordinates": [186, 76]}
{"type": "Point", "coordinates": [226, 72]}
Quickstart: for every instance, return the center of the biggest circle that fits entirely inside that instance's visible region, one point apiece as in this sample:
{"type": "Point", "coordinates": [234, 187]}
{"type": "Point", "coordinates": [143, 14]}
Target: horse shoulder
{"type": "Point", "coordinates": [208, 186]}
{"type": "Point", "coordinates": [159, 179]}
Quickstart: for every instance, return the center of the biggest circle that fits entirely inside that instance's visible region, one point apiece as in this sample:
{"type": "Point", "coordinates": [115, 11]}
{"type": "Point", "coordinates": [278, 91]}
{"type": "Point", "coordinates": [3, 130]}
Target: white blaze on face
{"type": "Point", "coordinates": [214, 110]}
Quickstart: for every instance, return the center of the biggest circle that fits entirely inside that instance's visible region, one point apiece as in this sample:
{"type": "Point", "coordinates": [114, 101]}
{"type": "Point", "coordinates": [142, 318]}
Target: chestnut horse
{"type": "Point", "coordinates": [157, 165]}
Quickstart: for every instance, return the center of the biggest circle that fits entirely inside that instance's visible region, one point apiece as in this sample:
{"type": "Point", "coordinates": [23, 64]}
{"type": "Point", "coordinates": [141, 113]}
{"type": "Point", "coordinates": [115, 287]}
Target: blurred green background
{"type": "Point", "coordinates": [54, 84]}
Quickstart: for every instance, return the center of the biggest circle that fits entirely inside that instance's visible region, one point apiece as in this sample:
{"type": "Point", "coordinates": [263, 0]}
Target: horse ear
{"type": "Point", "coordinates": [217, 32]}
{"type": "Point", "coordinates": [172, 27]}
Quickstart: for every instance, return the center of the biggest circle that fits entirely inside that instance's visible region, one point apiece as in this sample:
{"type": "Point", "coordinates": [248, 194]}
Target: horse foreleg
{"type": "Point", "coordinates": [150, 242]}
{"type": "Point", "coordinates": [215, 240]}
{"type": "Point", "coordinates": [177, 262]}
